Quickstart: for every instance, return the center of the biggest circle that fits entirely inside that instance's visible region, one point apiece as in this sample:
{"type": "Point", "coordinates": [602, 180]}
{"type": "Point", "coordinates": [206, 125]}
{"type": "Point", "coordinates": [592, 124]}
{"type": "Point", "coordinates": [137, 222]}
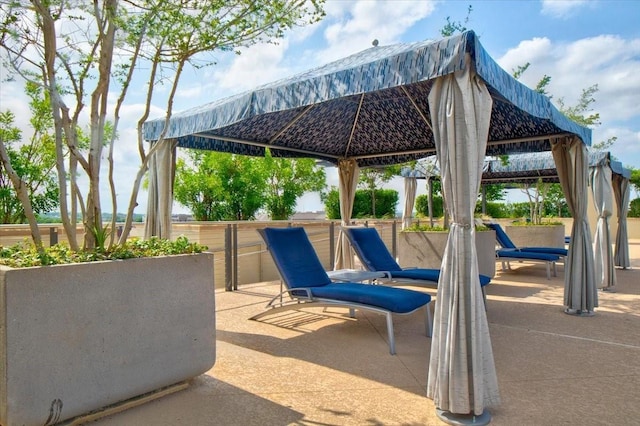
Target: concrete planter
{"type": "Point", "coordinates": [77, 338]}
{"type": "Point", "coordinates": [536, 235]}
{"type": "Point", "coordinates": [425, 250]}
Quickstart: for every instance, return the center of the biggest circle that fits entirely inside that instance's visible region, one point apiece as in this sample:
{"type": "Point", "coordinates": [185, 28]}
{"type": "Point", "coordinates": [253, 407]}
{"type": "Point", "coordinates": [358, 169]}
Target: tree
{"type": "Point", "coordinates": [454, 27]}
{"type": "Point", "coordinates": [555, 202]}
{"type": "Point", "coordinates": [73, 49]}
{"type": "Point", "coordinates": [221, 186]}
{"type": "Point", "coordinates": [494, 192]}
{"type": "Point", "coordinates": [536, 193]}
{"type": "Point", "coordinates": [387, 200]}
{"type": "Point", "coordinates": [634, 208]}
{"type": "Point", "coordinates": [634, 205]}
{"type": "Point", "coordinates": [581, 113]}
{"type": "Point", "coordinates": [635, 179]}
{"type": "Point", "coordinates": [32, 160]}
{"type": "Point", "coordinates": [372, 177]}
{"type": "Point", "coordinates": [287, 180]}
{"type": "Point", "coordinates": [422, 206]}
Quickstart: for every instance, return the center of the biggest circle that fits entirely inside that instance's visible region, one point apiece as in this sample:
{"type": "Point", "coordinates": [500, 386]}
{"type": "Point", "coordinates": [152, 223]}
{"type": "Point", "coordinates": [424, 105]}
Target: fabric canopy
{"type": "Point", "coordinates": [371, 106]}
{"type": "Point", "coordinates": [410, 186]}
{"type": "Point", "coordinates": [425, 168]}
{"type": "Point", "coordinates": [607, 177]}
{"type": "Point", "coordinates": [621, 191]}
{"type": "Point", "coordinates": [161, 175]}
{"type": "Point", "coordinates": [530, 167]}
{"type": "Point", "coordinates": [601, 187]}
{"type": "Point", "coordinates": [348, 173]}
{"type": "Point", "coordinates": [580, 293]}
{"type": "Point", "coordinates": [388, 105]}
{"type": "Point", "coordinates": [461, 105]}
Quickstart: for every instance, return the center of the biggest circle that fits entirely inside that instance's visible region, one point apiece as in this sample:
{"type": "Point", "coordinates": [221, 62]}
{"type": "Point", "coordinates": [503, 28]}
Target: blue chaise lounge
{"type": "Point", "coordinates": [308, 285]}
{"type": "Point", "coordinates": [375, 256]}
{"type": "Point", "coordinates": [509, 251]}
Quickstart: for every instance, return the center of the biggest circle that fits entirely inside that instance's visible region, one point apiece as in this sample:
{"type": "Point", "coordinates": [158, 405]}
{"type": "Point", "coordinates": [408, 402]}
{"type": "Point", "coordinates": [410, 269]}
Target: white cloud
{"type": "Point", "coordinates": [609, 61]}
{"type": "Point", "coordinates": [13, 98]}
{"type": "Point", "coordinates": [256, 65]}
{"type": "Point", "coordinates": [356, 24]}
{"type": "Point", "coordinates": [626, 146]}
{"type": "Point", "coordinates": [535, 51]}
{"type": "Point", "coordinates": [348, 27]}
{"type": "Point", "coordinates": [562, 8]}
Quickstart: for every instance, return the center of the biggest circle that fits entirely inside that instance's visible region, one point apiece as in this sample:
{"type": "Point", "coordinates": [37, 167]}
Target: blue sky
{"type": "Point", "coordinates": [577, 43]}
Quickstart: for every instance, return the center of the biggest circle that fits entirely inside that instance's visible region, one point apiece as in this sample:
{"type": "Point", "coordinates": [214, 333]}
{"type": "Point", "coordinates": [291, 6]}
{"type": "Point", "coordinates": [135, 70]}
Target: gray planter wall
{"type": "Point", "coordinates": [425, 250]}
{"type": "Point", "coordinates": [77, 338]}
{"type": "Point", "coordinates": [537, 236]}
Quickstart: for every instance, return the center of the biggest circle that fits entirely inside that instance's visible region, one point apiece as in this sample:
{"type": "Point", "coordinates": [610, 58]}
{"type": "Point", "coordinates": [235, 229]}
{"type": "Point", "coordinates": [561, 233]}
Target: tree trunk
{"type": "Point", "coordinates": [23, 196]}
{"type": "Point", "coordinates": [57, 106]}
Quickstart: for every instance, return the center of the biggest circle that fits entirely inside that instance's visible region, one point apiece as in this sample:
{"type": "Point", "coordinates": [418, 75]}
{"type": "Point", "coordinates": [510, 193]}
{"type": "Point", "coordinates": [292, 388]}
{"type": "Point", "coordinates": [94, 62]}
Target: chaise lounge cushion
{"type": "Point", "coordinates": [429, 275]}
{"type": "Point", "coordinates": [376, 257]}
{"type": "Point", "coordinates": [393, 299]}
{"type": "Point", "coordinates": [518, 254]}
{"type": "Point", "coordinates": [507, 243]}
{"type": "Point", "coordinates": [303, 267]}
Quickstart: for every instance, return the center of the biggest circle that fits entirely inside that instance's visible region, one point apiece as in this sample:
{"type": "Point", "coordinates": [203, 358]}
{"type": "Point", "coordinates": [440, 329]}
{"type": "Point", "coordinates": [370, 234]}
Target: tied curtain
{"type": "Point", "coordinates": [572, 162]}
{"type": "Point", "coordinates": [462, 377]}
{"type": "Point", "coordinates": [410, 187]}
{"type": "Point", "coordinates": [348, 173]}
{"type": "Point", "coordinates": [621, 192]}
{"type": "Point", "coordinates": [605, 272]}
{"type": "Point", "coordinates": [162, 168]}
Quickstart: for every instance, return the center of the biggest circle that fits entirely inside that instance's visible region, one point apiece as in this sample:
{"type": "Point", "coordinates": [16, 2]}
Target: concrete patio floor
{"type": "Point", "coordinates": [323, 368]}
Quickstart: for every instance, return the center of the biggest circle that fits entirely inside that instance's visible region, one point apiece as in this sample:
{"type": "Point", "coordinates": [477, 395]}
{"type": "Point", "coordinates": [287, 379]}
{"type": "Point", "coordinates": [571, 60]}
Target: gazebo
{"type": "Point", "coordinates": [609, 182]}
{"type": "Point", "coordinates": [608, 178]}
{"type": "Point", "coordinates": [392, 104]}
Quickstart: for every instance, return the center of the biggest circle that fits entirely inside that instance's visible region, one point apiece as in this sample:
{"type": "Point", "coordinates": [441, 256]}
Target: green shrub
{"type": "Point", "coordinates": [634, 208]}
{"type": "Point", "coordinates": [416, 227]}
{"type": "Point", "coordinates": [386, 203]}
{"type": "Point", "coordinates": [23, 255]}
{"type": "Point", "coordinates": [529, 223]}
{"type": "Point", "coordinates": [422, 206]}
{"type": "Point", "coordinates": [494, 210]}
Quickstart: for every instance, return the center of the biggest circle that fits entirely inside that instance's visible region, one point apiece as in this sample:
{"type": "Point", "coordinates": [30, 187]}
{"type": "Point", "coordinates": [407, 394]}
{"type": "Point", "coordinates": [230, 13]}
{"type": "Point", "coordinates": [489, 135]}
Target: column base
{"type": "Point", "coordinates": [579, 313]}
{"type": "Point", "coordinates": [464, 419]}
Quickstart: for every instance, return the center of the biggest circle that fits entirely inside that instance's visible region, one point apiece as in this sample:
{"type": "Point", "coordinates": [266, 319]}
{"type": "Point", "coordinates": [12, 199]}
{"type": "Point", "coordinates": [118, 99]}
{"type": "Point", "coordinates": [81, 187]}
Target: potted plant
{"type": "Point", "coordinates": [107, 327]}
{"type": "Point", "coordinates": [423, 246]}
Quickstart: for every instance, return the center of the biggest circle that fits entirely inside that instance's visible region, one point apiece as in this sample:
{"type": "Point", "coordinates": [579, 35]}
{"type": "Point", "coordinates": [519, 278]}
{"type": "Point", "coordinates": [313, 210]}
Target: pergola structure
{"type": "Point", "coordinates": [607, 178]}
{"type": "Point", "coordinates": [392, 104]}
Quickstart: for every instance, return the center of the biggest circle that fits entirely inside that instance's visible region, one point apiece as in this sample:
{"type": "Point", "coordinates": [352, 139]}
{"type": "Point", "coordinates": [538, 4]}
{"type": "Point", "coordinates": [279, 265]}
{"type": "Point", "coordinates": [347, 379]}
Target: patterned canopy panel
{"type": "Point", "coordinates": [528, 168]}
{"type": "Point", "coordinates": [522, 168]}
{"type": "Point", "coordinates": [371, 106]}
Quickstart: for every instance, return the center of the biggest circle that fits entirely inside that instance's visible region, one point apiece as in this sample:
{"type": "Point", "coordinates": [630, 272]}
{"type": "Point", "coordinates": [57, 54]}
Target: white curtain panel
{"type": "Point", "coordinates": [462, 377]}
{"type": "Point", "coordinates": [621, 191]}
{"type": "Point", "coordinates": [572, 163]}
{"type": "Point", "coordinates": [348, 173]}
{"type": "Point", "coordinates": [430, 199]}
{"type": "Point", "coordinates": [600, 177]}
{"type": "Point", "coordinates": [410, 187]}
{"type": "Point", "coordinates": [162, 164]}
